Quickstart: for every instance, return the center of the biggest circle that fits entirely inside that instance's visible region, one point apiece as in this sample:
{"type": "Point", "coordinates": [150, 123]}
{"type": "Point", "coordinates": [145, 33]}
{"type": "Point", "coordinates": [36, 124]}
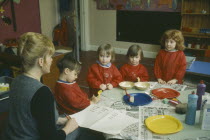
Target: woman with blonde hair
{"type": "Point", "coordinates": [32, 113]}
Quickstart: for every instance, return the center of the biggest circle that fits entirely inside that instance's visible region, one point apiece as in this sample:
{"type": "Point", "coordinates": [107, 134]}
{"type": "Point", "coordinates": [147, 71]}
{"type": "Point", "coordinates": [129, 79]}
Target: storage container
{"type": "Point", "coordinates": [4, 96]}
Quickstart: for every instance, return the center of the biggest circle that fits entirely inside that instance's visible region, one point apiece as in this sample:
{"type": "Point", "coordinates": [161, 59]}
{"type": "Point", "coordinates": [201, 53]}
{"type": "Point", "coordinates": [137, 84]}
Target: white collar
{"type": "Point", "coordinates": [105, 66]}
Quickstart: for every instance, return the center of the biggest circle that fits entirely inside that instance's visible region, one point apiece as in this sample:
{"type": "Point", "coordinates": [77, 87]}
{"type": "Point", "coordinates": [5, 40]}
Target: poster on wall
{"type": "Point", "coordinates": [140, 5]}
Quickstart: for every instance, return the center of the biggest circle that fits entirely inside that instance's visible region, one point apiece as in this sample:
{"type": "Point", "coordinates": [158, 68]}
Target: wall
{"type": "Point", "coordinates": [49, 14]}
{"type": "Point", "coordinates": [36, 16]}
{"type": "Point", "coordinates": [27, 19]}
{"type": "Point", "coordinates": [102, 29]}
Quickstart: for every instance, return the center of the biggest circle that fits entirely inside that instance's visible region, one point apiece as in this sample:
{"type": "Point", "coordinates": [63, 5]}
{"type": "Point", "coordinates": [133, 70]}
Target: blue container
{"type": "Point", "coordinates": [191, 109]}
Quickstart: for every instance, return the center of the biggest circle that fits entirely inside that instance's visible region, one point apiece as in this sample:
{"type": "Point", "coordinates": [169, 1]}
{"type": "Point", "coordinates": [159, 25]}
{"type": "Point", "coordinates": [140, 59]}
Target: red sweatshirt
{"type": "Point", "coordinates": [70, 97]}
{"type": "Point", "coordinates": [130, 72]}
{"type": "Point", "coordinates": [170, 65]}
{"type": "Point", "coordinates": [98, 75]}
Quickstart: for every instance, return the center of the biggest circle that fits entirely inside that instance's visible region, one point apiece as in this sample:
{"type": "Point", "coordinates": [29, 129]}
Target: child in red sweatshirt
{"type": "Point", "coordinates": [70, 98]}
{"type": "Point", "coordinates": [170, 63]}
{"type": "Point", "coordinates": [103, 75]}
{"type": "Point", "coordinates": [133, 70]}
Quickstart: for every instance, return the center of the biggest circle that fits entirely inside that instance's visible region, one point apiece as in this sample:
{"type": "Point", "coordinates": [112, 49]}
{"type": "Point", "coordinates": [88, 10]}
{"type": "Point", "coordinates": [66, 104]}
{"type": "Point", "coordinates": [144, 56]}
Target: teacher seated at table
{"type": "Point", "coordinates": [32, 112]}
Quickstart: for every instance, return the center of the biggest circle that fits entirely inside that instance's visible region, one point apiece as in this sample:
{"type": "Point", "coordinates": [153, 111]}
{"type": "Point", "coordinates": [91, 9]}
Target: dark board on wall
{"type": "Point", "coordinates": [27, 19]}
{"type": "Point", "coordinates": [145, 26]}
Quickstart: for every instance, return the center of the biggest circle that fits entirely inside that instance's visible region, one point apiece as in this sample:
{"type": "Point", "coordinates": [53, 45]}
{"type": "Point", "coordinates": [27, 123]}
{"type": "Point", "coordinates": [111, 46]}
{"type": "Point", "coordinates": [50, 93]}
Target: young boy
{"type": "Point", "coordinates": [70, 98]}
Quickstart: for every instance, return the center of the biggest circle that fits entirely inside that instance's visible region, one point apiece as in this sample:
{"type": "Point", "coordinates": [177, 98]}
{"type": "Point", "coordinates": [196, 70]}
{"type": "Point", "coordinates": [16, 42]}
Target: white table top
{"type": "Point", "coordinates": [113, 98]}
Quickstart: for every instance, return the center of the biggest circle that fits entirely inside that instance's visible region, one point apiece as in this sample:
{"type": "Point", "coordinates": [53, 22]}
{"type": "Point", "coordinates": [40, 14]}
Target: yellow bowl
{"type": "Point", "coordinates": [142, 85]}
{"type": "Point", "coordinates": [126, 85]}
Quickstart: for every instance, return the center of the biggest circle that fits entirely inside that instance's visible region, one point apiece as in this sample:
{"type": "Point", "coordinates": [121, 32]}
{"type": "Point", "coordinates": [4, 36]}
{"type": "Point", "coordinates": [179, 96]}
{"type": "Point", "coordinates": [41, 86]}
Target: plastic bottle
{"type": "Point", "coordinates": [200, 92]}
{"type": "Point", "coordinates": [191, 109]}
{"type": "Point", "coordinates": [205, 115]}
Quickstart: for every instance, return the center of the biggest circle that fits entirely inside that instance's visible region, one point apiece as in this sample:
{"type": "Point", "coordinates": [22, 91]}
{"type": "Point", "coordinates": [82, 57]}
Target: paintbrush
{"type": "Point", "coordinates": [67, 116]}
{"type": "Point", "coordinates": [127, 93]}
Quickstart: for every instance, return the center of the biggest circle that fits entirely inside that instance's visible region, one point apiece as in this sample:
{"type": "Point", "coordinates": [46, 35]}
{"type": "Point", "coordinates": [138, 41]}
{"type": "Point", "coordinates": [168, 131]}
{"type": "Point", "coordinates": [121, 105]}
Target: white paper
{"type": "Point", "coordinates": [103, 119]}
{"type": "Point", "coordinates": [104, 101]}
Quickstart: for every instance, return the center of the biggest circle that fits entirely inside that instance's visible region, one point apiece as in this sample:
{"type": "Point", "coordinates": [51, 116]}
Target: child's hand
{"type": "Point", "coordinates": [109, 86]}
{"type": "Point", "coordinates": [138, 79]}
{"type": "Point", "coordinates": [161, 81]}
{"type": "Point", "coordinates": [173, 81]}
{"type": "Point", "coordinates": [103, 86]}
{"type": "Point", "coordinates": [95, 99]}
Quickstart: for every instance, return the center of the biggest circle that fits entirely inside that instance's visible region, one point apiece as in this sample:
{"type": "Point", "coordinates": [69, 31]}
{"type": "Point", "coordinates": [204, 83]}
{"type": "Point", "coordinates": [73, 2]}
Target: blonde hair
{"type": "Point", "coordinates": [32, 46]}
{"type": "Point", "coordinates": [134, 50]}
{"type": "Point", "coordinates": [176, 35]}
{"type": "Point", "coordinates": [108, 49]}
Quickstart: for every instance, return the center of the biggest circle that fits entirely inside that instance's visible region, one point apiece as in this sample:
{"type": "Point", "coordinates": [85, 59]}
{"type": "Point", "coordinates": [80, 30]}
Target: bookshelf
{"type": "Point", "coordinates": [195, 24]}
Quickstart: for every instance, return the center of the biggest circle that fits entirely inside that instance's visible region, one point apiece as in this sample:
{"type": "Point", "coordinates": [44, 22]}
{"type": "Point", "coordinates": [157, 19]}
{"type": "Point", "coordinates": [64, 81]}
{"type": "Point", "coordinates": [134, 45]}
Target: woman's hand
{"type": "Point", "coordinates": [103, 87]}
{"type": "Point", "coordinates": [61, 121]}
{"type": "Point", "coordinates": [173, 81]}
{"type": "Point", "coordinates": [161, 81]}
{"type": "Point", "coordinates": [70, 126]}
{"type": "Point", "coordinates": [109, 86]}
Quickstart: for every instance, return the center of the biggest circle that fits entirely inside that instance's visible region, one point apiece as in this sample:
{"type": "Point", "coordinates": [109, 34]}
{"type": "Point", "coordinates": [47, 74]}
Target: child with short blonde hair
{"type": "Point", "coordinates": [170, 63]}
{"type": "Point", "coordinates": [133, 70]}
{"type": "Point", "coordinates": [103, 75]}
{"type": "Point", "coordinates": [70, 98]}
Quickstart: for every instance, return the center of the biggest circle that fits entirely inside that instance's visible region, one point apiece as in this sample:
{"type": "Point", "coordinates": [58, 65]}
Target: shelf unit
{"type": "Point", "coordinates": [196, 16]}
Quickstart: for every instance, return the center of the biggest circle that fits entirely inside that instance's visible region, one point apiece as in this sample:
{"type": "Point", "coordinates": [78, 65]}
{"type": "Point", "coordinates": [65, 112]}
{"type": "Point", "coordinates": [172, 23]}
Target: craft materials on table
{"type": "Point", "coordinates": [177, 87]}
{"type": "Point", "coordinates": [138, 131]}
{"type": "Point", "coordinates": [126, 85]}
{"type": "Point", "coordinates": [189, 132]}
{"type": "Point", "coordinates": [162, 93]}
{"type": "Point", "coordinates": [181, 108]}
{"type": "Point", "coordinates": [142, 85]}
{"type": "Point", "coordinates": [205, 114]}
{"type": "Point", "coordinates": [163, 124]}
{"type": "Point", "coordinates": [200, 92]}
{"type": "Point", "coordinates": [140, 99]}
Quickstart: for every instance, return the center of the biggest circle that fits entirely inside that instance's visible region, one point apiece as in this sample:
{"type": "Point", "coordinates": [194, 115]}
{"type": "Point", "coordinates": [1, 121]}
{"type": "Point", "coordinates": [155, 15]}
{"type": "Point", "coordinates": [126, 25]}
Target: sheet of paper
{"type": "Point", "coordinates": [90, 115]}
{"type": "Point", "coordinates": [139, 131]}
{"type": "Point", "coordinates": [113, 123]}
{"type": "Point", "coordinates": [103, 119]}
{"type": "Point", "coordinates": [104, 101]}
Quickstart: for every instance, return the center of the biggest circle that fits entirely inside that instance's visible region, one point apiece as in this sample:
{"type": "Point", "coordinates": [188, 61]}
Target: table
{"type": "Point", "coordinates": [199, 71]}
{"type": "Point", "coordinates": [113, 99]}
